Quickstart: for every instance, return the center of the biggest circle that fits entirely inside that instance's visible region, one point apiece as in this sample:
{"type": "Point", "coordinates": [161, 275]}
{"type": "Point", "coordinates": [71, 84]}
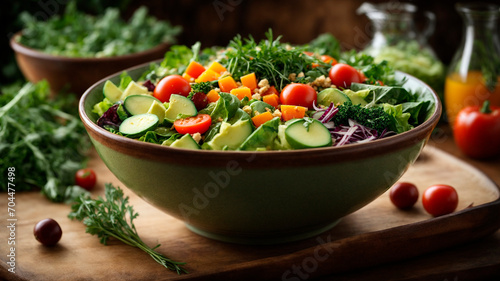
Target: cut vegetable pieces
{"type": "Point", "coordinates": [194, 69]}
{"type": "Point", "coordinates": [111, 91]}
{"type": "Point", "coordinates": [139, 104]}
{"type": "Point", "coordinates": [179, 107]}
{"type": "Point", "coordinates": [249, 81]}
{"type": "Point", "coordinates": [186, 141]}
{"type": "Point", "coordinates": [227, 83]}
{"type": "Point", "coordinates": [207, 75]}
{"type": "Point", "coordinates": [137, 125]}
{"type": "Point", "coordinates": [272, 99]}
{"type": "Point", "coordinates": [262, 118]}
{"type": "Point", "coordinates": [289, 112]}
{"type": "Point", "coordinates": [134, 89]}
{"type": "Point", "coordinates": [213, 96]}
{"type": "Point", "coordinates": [307, 133]}
{"type": "Point", "coordinates": [217, 67]}
{"type": "Point", "coordinates": [242, 92]}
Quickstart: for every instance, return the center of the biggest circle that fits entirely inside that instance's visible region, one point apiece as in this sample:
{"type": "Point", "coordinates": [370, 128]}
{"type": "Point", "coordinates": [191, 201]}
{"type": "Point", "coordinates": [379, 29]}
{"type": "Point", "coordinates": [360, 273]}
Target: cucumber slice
{"type": "Point", "coordinates": [134, 89]}
{"type": "Point", "coordinates": [180, 107]}
{"type": "Point", "coordinates": [111, 91]}
{"type": "Point", "coordinates": [140, 104]}
{"type": "Point", "coordinates": [186, 141]}
{"type": "Point", "coordinates": [137, 125]}
{"type": "Point", "coordinates": [307, 133]}
{"type": "Point", "coordinates": [327, 96]}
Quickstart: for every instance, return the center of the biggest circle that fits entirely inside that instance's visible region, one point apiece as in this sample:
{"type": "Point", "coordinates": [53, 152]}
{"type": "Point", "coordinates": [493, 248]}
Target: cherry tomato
{"type": "Point", "coordinates": [191, 125]}
{"type": "Point", "coordinates": [172, 84]}
{"type": "Point", "coordinates": [440, 200]}
{"type": "Point", "coordinates": [343, 75]}
{"type": "Point", "coordinates": [404, 195]}
{"type": "Point", "coordinates": [298, 94]}
{"type": "Point", "coordinates": [200, 100]}
{"type": "Point", "coordinates": [86, 178]}
{"type": "Point", "coordinates": [48, 232]}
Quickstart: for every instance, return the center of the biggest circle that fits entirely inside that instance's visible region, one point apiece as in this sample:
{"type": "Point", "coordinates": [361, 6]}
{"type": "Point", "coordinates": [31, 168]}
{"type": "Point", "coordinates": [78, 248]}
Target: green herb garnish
{"type": "Point", "coordinates": [112, 216]}
{"type": "Point", "coordinates": [41, 140]}
{"type": "Point", "coordinates": [75, 34]}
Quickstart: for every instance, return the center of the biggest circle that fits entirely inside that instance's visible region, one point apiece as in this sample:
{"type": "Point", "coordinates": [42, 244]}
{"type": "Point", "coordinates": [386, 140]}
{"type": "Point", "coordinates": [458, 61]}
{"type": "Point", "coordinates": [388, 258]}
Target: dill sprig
{"type": "Point", "coordinates": [112, 216]}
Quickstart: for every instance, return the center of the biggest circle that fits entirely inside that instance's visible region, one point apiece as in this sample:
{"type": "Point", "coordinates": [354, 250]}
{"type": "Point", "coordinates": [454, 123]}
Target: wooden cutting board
{"type": "Point", "coordinates": [375, 235]}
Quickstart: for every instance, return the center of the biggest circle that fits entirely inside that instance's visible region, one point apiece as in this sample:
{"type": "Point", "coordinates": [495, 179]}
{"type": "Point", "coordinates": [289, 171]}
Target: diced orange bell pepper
{"type": "Point", "coordinates": [289, 112]}
{"type": "Point", "coordinates": [272, 90]}
{"type": "Point", "coordinates": [227, 83]}
{"type": "Point", "coordinates": [262, 118]}
{"type": "Point", "coordinates": [271, 99]}
{"type": "Point", "coordinates": [217, 67]}
{"type": "Point", "coordinates": [207, 75]}
{"type": "Point", "coordinates": [187, 77]}
{"type": "Point", "coordinates": [194, 69]}
{"type": "Point", "coordinates": [249, 81]}
{"type": "Point", "coordinates": [213, 96]}
{"type": "Point", "coordinates": [242, 92]}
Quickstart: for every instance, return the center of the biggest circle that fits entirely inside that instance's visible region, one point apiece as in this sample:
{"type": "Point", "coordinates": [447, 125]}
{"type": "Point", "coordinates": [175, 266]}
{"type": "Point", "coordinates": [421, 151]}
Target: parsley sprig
{"type": "Point", "coordinates": [112, 216]}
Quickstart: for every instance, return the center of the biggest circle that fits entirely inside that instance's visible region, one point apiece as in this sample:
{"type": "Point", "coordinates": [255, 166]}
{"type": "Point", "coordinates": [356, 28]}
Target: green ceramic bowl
{"type": "Point", "coordinates": [257, 197]}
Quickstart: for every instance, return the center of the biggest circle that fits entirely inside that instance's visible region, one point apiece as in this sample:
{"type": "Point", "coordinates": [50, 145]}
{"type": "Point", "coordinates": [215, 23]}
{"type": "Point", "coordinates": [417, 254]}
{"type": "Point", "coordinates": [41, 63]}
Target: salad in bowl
{"type": "Point", "coordinates": [260, 96]}
{"type": "Point", "coordinates": [259, 142]}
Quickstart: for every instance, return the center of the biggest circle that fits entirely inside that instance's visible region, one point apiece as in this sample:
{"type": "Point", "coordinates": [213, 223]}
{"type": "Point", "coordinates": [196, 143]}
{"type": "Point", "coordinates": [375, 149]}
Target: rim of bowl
{"type": "Point", "coordinates": [271, 158]}
{"type": "Point", "coordinates": [22, 49]}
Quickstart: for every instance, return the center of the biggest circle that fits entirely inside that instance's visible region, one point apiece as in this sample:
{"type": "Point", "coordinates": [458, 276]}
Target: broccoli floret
{"type": "Point", "coordinates": [202, 87]}
{"type": "Point", "coordinates": [374, 117]}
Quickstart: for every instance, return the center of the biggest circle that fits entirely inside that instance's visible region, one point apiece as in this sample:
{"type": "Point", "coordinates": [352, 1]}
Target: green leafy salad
{"type": "Point", "coordinates": [267, 95]}
{"type": "Point", "coordinates": [76, 34]}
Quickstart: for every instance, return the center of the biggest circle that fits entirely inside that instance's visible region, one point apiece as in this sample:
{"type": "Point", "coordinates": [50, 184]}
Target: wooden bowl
{"type": "Point", "coordinates": [261, 197]}
{"type": "Point", "coordinates": [75, 74]}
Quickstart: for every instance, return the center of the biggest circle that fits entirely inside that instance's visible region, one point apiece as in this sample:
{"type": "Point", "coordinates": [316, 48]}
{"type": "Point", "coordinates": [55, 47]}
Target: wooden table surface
{"type": "Point", "coordinates": [476, 260]}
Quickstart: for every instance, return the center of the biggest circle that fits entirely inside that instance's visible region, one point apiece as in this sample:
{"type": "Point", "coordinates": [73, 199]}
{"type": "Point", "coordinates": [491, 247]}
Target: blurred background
{"type": "Point", "coordinates": [215, 22]}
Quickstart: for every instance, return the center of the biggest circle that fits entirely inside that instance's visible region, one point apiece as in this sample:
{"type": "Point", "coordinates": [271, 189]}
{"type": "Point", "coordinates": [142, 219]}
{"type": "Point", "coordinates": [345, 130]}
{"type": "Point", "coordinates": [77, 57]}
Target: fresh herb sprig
{"type": "Point", "coordinates": [112, 216]}
{"type": "Point", "coordinates": [43, 139]}
{"type": "Point", "coordinates": [272, 60]}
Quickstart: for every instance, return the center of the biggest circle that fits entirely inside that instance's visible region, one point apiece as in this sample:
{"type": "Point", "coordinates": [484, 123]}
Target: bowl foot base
{"type": "Point", "coordinates": [263, 240]}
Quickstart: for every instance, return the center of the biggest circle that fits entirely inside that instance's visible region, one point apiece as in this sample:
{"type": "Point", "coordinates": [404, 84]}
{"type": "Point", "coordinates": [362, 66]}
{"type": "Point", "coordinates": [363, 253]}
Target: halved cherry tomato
{"type": "Point", "coordinates": [440, 200]}
{"type": "Point", "coordinates": [343, 75]}
{"type": "Point", "coordinates": [298, 94]}
{"type": "Point", "coordinates": [404, 195]}
{"type": "Point", "coordinates": [192, 125]}
{"type": "Point", "coordinates": [172, 84]}
{"type": "Point", "coordinates": [86, 178]}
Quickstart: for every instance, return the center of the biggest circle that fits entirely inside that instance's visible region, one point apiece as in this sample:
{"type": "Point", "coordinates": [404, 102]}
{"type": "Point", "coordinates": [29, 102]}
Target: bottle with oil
{"type": "Point", "coordinates": [474, 72]}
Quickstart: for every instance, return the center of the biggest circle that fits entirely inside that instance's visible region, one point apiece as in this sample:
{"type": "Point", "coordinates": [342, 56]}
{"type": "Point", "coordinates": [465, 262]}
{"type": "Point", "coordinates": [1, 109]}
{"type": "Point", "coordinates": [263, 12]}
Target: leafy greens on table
{"type": "Point", "coordinates": [43, 139]}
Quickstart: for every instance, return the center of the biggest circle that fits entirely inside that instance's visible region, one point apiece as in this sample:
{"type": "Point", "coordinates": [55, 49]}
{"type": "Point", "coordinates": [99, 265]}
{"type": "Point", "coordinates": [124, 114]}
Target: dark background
{"type": "Point", "coordinates": [215, 22]}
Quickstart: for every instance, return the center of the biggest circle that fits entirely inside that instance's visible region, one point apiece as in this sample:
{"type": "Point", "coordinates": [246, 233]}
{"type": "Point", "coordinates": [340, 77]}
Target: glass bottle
{"type": "Point", "coordinates": [397, 40]}
{"type": "Point", "coordinates": [474, 72]}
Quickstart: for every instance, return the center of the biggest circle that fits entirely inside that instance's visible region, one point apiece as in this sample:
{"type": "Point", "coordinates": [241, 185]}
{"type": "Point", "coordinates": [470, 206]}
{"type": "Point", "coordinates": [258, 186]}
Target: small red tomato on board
{"type": "Point", "coordinates": [48, 232]}
{"type": "Point", "coordinates": [404, 195]}
{"type": "Point", "coordinates": [86, 178]}
{"type": "Point", "coordinates": [343, 75]}
{"type": "Point", "coordinates": [192, 125]}
{"type": "Point", "coordinates": [298, 94]}
{"type": "Point", "coordinates": [440, 200]}
{"type": "Point", "coordinates": [172, 84]}
{"type": "Point", "coordinates": [477, 131]}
